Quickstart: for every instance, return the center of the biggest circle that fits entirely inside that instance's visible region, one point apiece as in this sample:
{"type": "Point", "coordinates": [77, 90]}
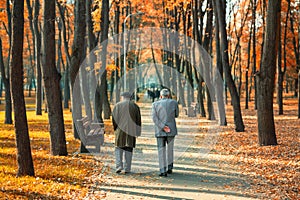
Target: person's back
{"type": "Point", "coordinates": [126, 116]}
{"type": "Point", "coordinates": [166, 110]}
{"type": "Point", "coordinates": [126, 120]}
{"type": "Point", "coordinates": [164, 113]}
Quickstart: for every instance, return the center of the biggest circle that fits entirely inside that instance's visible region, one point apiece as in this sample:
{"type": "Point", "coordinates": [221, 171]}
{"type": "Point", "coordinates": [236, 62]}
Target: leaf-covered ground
{"type": "Point", "coordinates": [273, 171]}
{"type": "Point", "coordinates": [56, 177]}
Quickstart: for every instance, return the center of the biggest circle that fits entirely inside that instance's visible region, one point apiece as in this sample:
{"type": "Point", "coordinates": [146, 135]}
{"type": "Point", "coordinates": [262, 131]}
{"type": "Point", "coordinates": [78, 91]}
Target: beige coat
{"type": "Point", "coordinates": [126, 119]}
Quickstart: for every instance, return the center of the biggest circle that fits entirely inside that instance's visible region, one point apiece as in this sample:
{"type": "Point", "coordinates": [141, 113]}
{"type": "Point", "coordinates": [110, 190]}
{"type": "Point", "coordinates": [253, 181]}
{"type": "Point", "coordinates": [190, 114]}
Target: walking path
{"type": "Point", "coordinates": [197, 173]}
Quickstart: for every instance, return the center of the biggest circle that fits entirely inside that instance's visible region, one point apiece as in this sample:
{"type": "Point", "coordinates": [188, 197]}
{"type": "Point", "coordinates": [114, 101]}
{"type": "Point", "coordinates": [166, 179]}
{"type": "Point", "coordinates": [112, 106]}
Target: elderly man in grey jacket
{"type": "Point", "coordinates": [126, 118]}
{"type": "Point", "coordinates": [164, 112]}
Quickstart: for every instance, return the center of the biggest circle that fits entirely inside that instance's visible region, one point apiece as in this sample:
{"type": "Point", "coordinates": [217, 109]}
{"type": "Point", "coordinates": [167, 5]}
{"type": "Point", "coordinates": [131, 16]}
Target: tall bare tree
{"type": "Point", "coordinates": [64, 24]}
{"type": "Point", "coordinates": [5, 70]}
{"type": "Point", "coordinates": [266, 77]}
{"type": "Point", "coordinates": [206, 45]}
{"type": "Point", "coordinates": [247, 97]}
{"type": "Point", "coordinates": [6, 80]}
{"type": "Point", "coordinates": [101, 99]}
{"type": "Point", "coordinates": [198, 29]}
{"type": "Point", "coordinates": [218, 92]}
{"type": "Point", "coordinates": [115, 74]}
{"type": "Point", "coordinates": [24, 157]}
{"type": "Point", "coordinates": [253, 25]}
{"type": "Point", "coordinates": [78, 54]}
{"type": "Point", "coordinates": [33, 17]}
{"type": "Point", "coordinates": [52, 82]}
{"type": "Point", "coordinates": [37, 38]}
{"type": "Point", "coordinates": [281, 70]}
{"type": "Point", "coordinates": [296, 44]}
{"type": "Point", "coordinates": [103, 39]}
{"type": "Point", "coordinates": [220, 7]}
{"type": "Point", "coordinates": [298, 92]}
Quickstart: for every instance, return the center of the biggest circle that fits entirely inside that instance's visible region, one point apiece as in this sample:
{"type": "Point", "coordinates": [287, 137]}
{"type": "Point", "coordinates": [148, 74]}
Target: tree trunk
{"type": "Point", "coordinates": [30, 76]}
{"type": "Point", "coordinates": [186, 19]}
{"type": "Point", "coordinates": [62, 9]}
{"type": "Point", "coordinates": [279, 75]}
{"type": "Point", "coordinates": [103, 104]}
{"type": "Point", "coordinates": [219, 93]}
{"type": "Point", "coordinates": [198, 76]}
{"type": "Point", "coordinates": [85, 92]}
{"type": "Point", "coordinates": [6, 75]}
{"type": "Point", "coordinates": [166, 58]}
{"type": "Point", "coordinates": [31, 24]}
{"type": "Point", "coordinates": [118, 58]}
{"type": "Point", "coordinates": [24, 157]}
{"type": "Point", "coordinates": [281, 72]}
{"type": "Point", "coordinates": [32, 60]}
{"type": "Point", "coordinates": [298, 94]}
{"type": "Point", "coordinates": [263, 17]}
{"type": "Point", "coordinates": [154, 61]}
{"type": "Point", "coordinates": [78, 54]}
{"type": "Point", "coordinates": [1, 84]}
{"type": "Point", "coordinates": [296, 44]}
{"type": "Point", "coordinates": [206, 44]}
{"type": "Point", "coordinates": [200, 97]}
{"type": "Point", "coordinates": [254, 49]}
{"type": "Point", "coordinates": [52, 83]}
{"type": "Point", "coordinates": [240, 70]}
{"type": "Point", "coordinates": [92, 41]}
{"type": "Point", "coordinates": [67, 87]}
{"type": "Point", "coordinates": [235, 99]}
{"type": "Point", "coordinates": [37, 38]}
{"type": "Point", "coordinates": [8, 103]}
{"type": "Point", "coordinates": [247, 90]}
{"type": "Point", "coordinates": [280, 93]}
{"type": "Point", "coordinates": [266, 77]}
{"type": "Point", "coordinates": [179, 89]}
{"type": "Point", "coordinates": [220, 89]}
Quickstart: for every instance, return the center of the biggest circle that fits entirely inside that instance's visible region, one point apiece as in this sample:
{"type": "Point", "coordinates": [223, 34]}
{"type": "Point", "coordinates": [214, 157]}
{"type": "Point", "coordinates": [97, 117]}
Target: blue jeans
{"type": "Point", "coordinates": [165, 146]}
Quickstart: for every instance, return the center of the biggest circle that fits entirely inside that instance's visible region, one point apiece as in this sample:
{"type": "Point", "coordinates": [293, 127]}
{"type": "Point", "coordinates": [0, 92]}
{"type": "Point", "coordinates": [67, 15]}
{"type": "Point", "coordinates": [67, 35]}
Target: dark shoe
{"type": "Point", "coordinates": [118, 170]}
{"type": "Point", "coordinates": [163, 174]}
{"type": "Point", "coordinates": [170, 171]}
{"type": "Point", "coordinates": [127, 173]}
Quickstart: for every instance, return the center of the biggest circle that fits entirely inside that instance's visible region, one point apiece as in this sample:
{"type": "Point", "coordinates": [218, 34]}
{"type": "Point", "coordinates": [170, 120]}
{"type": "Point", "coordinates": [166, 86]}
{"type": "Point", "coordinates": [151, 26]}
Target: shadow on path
{"type": "Point", "coordinates": [194, 176]}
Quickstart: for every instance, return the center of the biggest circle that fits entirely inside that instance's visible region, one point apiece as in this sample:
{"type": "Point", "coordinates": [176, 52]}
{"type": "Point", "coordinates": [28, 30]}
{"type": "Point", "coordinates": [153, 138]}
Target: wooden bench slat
{"type": "Point", "coordinates": [91, 134]}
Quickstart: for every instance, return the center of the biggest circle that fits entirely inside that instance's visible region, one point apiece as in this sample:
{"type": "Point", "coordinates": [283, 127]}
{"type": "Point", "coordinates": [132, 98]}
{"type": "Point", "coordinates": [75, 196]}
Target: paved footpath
{"type": "Point", "coordinates": [197, 174]}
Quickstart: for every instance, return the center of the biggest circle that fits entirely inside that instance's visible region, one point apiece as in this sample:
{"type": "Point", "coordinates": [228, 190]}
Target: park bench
{"type": "Point", "coordinates": [191, 111]}
{"type": "Point", "coordinates": [91, 135]}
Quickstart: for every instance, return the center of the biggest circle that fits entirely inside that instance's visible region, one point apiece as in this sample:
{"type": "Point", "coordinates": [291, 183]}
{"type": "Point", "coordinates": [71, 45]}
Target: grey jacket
{"type": "Point", "coordinates": [164, 112]}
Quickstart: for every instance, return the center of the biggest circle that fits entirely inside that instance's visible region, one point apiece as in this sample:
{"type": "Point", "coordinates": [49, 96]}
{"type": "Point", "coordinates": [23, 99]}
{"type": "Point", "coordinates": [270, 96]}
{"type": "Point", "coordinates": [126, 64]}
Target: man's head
{"type": "Point", "coordinates": [164, 93]}
{"type": "Point", "coordinates": [126, 95]}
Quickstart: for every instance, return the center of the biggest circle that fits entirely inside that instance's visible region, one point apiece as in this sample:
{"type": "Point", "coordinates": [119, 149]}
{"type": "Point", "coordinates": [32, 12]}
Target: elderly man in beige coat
{"type": "Point", "coordinates": [126, 119]}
